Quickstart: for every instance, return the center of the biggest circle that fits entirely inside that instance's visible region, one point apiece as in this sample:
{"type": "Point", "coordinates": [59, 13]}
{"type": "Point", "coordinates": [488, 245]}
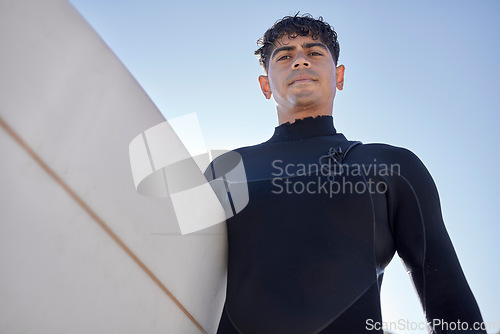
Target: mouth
{"type": "Point", "coordinates": [301, 80]}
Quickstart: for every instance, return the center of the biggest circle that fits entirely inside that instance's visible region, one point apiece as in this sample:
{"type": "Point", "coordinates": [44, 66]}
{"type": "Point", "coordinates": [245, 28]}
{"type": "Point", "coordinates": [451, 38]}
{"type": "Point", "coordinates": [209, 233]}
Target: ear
{"type": "Point", "coordinates": [339, 71]}
{"type": "Point", "coordinates": [264, 86]}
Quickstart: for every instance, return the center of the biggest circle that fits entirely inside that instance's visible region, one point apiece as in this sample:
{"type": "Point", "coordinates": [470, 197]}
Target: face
{"type": "Point", "coordinates": [301, 74]}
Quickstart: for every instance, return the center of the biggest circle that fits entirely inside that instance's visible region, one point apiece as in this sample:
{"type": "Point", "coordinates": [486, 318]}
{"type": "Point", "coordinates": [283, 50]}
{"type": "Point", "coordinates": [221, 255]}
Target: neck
{"type": "Point", "coordinates": [291, 114]}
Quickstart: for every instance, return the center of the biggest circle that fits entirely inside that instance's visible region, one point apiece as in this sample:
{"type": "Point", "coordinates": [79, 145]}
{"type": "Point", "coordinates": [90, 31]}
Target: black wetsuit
{"type": "Point", "coordinates": [324, 218]}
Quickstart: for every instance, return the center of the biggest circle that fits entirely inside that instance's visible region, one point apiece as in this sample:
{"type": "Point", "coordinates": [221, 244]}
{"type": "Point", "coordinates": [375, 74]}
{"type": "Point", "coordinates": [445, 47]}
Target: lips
{"type": "Point", "coordinates": [302, 78]}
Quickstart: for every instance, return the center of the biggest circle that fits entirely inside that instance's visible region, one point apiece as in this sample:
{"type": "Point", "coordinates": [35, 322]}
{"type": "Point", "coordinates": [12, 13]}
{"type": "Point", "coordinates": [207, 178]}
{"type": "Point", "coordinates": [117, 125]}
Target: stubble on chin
{"type": "Point", "coordinates": [304, 99]}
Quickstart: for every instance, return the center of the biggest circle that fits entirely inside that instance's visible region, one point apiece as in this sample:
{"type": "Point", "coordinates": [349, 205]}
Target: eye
{"type": "Point", "coordinates": [315, 53]}
{"type": "Point", "coordinates": [283, 58]}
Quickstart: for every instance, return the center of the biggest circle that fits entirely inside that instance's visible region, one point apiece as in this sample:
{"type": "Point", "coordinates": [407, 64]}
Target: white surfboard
{"type": "Point", "coordinates": [80, 250]}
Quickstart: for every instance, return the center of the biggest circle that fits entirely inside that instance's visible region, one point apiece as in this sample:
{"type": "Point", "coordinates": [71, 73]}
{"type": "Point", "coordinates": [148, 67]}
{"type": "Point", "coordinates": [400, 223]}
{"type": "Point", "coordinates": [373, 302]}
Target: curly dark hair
{"type": "Point", "coordinates": [297, 26]}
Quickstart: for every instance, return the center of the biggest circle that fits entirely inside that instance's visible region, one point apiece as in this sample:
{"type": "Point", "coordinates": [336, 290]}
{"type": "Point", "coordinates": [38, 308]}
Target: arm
{"type": "Point", "coordinates": [423, 244]}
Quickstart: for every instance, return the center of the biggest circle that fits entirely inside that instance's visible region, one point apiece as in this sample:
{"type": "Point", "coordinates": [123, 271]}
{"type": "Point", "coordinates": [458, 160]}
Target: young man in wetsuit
{"type": "Point", "coordinates": [326, 215]}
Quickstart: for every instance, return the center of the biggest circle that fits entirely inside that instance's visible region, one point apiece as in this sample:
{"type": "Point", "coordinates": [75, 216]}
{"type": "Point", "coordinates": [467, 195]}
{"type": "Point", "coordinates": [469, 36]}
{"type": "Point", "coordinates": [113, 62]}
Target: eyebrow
{"type": "Point", "coordinates": [304, 46]}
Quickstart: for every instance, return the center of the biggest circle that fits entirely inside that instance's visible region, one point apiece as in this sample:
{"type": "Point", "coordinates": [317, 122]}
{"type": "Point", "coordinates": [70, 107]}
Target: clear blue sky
{"type": "Point", "coordinates": [423, 75]}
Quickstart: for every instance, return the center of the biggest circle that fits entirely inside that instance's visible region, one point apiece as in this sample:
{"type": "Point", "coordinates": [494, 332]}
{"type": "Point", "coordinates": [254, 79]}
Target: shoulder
{"type": "Point", "coordinates": [402, 160]}
{"type": "Point", "coordinates": [376, 153]}
{"type": "Point", "coordinates": [244, 153]}
{"type": "Point", "coordinates": [385, 153]}
{"type": "Point", "coordinates": [225, 161]}
{"type": "Point", "coordinates": [407, 171]}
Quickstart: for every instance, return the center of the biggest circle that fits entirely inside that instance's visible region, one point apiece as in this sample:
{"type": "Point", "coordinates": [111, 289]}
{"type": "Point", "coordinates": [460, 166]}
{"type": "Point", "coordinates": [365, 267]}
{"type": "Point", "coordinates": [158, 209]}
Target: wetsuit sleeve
{"type": "Point", "coordinates": [423, 244]}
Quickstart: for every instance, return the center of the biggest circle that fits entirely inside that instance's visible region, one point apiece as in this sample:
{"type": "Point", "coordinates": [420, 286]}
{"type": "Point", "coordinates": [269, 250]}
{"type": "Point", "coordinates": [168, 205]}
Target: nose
{"type": "Point", "coordinates": [300, 62]}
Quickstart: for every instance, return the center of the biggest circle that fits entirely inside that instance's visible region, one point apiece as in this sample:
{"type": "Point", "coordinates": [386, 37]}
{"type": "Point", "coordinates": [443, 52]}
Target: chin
{"type": "Point", "coordinates": [306, 101]}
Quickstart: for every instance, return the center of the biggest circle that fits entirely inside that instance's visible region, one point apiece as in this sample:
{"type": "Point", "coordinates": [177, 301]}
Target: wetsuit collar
{"type": "Point", "coordinates": [304, 128]}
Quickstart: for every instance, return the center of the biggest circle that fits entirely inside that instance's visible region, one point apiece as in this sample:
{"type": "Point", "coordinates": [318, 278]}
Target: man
{"type": "Point", "coordinates": [326, 215]}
